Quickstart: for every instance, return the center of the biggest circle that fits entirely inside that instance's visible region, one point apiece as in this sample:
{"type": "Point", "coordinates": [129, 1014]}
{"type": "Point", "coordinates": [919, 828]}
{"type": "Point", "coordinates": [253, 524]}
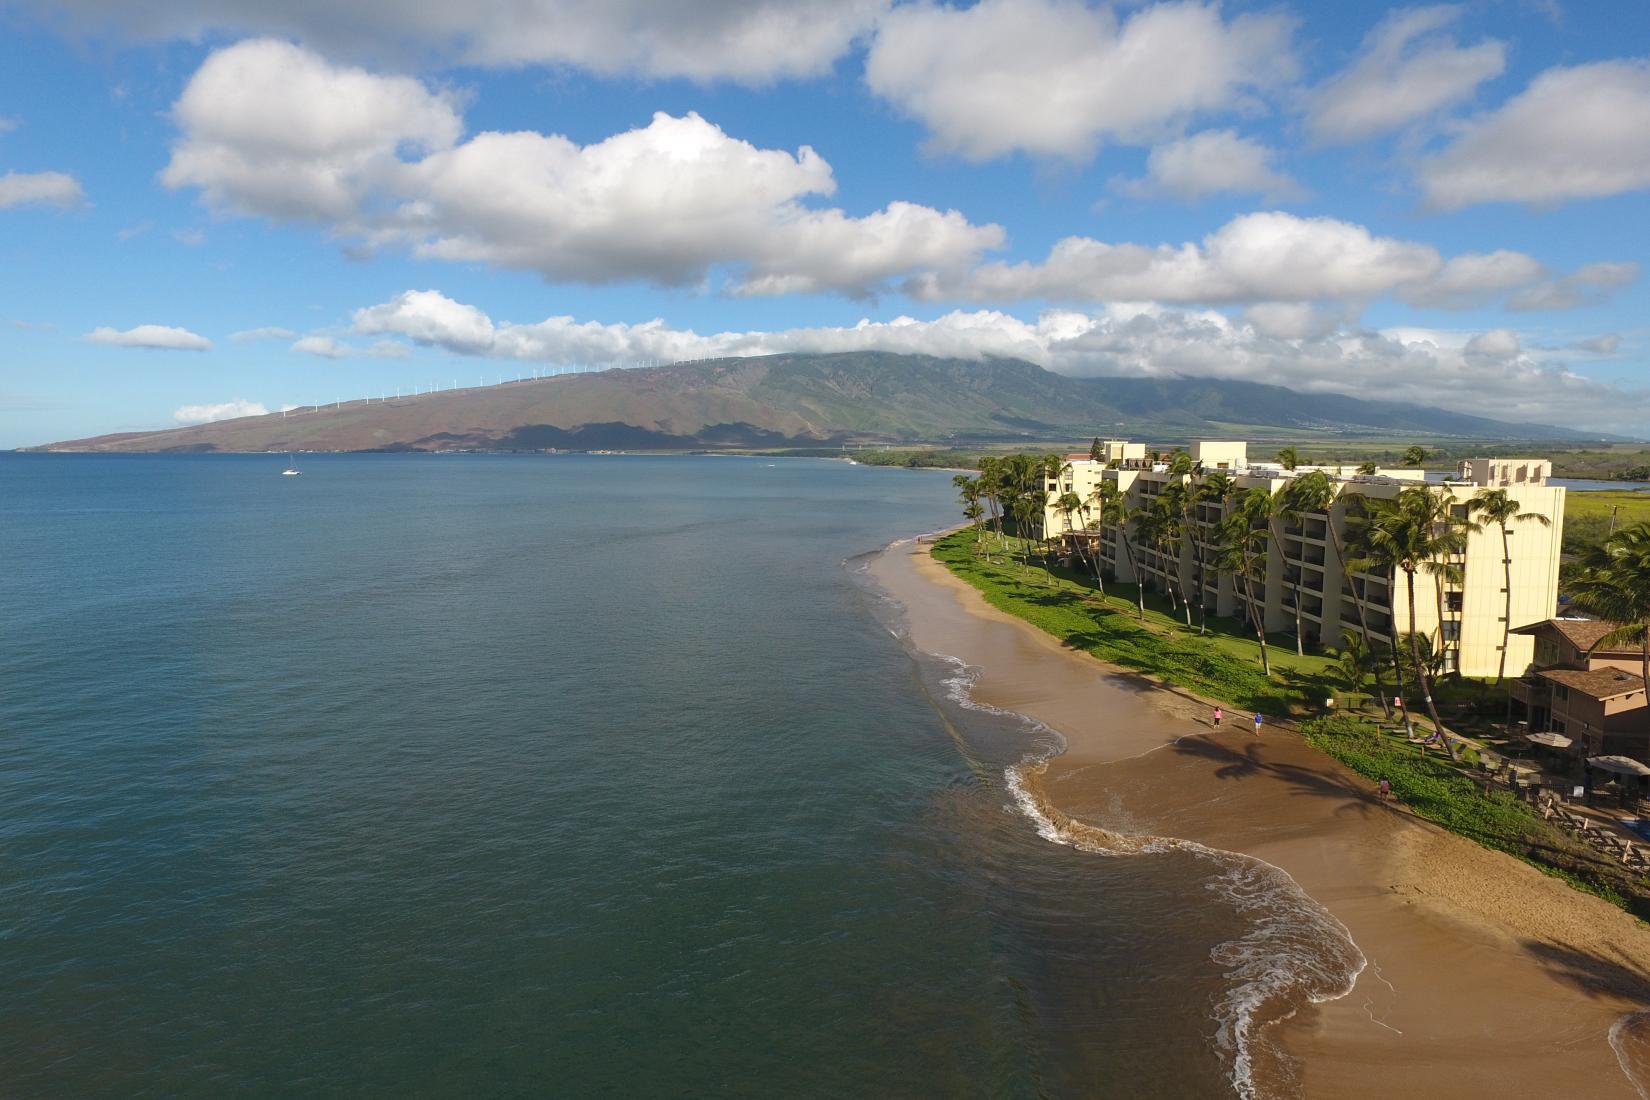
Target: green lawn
{"type": "Point", "coordinates": [1587, 515]}
{"type": "Point", "coordinates": [1222, 665]}
{"type": "Point", "coordinates": [1581, 504]}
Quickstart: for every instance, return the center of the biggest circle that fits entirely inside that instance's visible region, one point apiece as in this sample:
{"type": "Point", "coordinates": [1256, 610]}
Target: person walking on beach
{"type": "Point", "coordinates": [1257, 723]}
{"type": "Point", "coordinates": [1218, 717]}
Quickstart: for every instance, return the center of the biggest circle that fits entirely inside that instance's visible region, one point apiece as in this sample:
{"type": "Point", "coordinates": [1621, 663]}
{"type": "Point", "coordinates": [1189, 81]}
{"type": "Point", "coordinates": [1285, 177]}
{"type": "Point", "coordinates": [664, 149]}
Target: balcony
{"type": "Point", "coordinates": [1530, 690]}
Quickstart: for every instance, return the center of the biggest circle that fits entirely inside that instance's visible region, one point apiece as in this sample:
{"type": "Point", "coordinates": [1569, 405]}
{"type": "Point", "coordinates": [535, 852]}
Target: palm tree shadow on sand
{"type": "Point", "coordinates": [1249, 762]}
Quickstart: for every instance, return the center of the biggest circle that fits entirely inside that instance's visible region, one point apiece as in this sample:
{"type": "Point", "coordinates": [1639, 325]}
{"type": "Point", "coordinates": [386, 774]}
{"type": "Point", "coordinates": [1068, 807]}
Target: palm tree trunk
{"type": "Point", "coordinates": [1421, 672]}
{"type": "Point", "coordinates": [1295, 585]}
{"type": "Point", "coordinates": [1363, 616]}
{"type": "Point", "coordinates": [1099, 564]}
{"type": "Point", "coordinates": [1258, 623]}
{"type": "Point", "coordinates": [1139, 581]}
{"type": "Point", "coordinates": [1202, 595]}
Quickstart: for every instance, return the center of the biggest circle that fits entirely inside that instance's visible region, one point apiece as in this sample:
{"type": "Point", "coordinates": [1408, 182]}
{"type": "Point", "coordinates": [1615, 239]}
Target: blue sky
{"type": "Point", "coordinates": [211, 207]}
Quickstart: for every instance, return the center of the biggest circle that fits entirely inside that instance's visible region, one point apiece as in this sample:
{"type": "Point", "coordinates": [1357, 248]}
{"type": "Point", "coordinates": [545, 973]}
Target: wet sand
{"type": "Point", "coordinates": [1484, 977]}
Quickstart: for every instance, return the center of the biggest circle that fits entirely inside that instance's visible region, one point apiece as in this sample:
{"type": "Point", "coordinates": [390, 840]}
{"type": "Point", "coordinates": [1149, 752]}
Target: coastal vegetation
{"type": "Point", "coordinates": [1140, 632]}
{"type": "Point", "coordinates": [1436, 790]}
{"type": "Point", "coordinates": [1222, 664]}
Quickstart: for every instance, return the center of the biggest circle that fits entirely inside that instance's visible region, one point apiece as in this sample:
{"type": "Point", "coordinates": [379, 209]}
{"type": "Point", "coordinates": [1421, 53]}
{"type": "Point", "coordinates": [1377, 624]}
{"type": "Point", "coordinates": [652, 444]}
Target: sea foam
{"type": "Point", "coordinates": [1295, 950]}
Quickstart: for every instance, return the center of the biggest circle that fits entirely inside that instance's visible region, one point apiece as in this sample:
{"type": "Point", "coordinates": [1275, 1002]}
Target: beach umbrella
{"type": "Point", "coordinates": [1551, 740]}
{"type": "Point", "coordinates": [1620, 765]}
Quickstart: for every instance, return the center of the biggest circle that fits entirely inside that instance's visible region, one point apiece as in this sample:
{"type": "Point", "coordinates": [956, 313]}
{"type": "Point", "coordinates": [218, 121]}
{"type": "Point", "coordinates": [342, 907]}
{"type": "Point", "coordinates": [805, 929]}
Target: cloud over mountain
{"type": "Point", "coordinates": [1489, 374]}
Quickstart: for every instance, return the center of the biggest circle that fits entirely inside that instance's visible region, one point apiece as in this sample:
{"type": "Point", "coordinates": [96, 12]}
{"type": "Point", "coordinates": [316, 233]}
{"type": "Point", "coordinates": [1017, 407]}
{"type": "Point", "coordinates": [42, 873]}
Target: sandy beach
{"type": "Point", "coordinates": [1475, 974]}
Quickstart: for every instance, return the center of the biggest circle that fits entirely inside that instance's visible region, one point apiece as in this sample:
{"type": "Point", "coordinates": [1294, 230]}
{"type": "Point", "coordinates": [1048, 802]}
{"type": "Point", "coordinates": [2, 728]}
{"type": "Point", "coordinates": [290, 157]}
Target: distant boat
{"type": "Point", "coordinates": [291, 467]}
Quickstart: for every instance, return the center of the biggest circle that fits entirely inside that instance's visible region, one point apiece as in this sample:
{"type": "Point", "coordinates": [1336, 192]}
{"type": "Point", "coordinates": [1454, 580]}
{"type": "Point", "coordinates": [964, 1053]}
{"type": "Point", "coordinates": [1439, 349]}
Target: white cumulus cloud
{"type": "Point", "coordinates": [158, 337]}
{"type": "Point", "coordinates": [1407, 71]}
{"type": "Point", "coordinates": [225, 410]}
{"type": "Point", "coordinates": [268, 332]}
{"type": "Point", "coordinates": [52, 188]}
{"type": "Point", "coordinates": [326, 347]}
{"type": "Point", "coordinates": [749, 41]}
{"type": "Point", "coordinates": [273, 129]}
{"type": "Point", "coordinates": [1059, 77]}
{"type": "Point", "coordinates": [1575, 133]}
{"type": "Point", "coordinates": [1209, 163]}
{"type": "Point", "coordinates": [1272, 257]}
{"type": "Point", "coordinates": [1587, 285]}
{"type": "Point", "coordinates": [1258, 257]}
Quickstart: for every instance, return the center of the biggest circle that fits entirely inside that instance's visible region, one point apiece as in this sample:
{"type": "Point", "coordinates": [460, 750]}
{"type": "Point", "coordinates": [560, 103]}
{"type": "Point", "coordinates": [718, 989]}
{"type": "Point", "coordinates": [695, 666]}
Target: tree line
{"type": "Point", "coordinates": [1419, 535]}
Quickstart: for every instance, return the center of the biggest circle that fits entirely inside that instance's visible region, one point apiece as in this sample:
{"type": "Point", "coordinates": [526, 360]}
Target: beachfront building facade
{"type": "Point", "coordinates": [1304, 558]}
{"type": "Point", "coordinates": [1582, 688]}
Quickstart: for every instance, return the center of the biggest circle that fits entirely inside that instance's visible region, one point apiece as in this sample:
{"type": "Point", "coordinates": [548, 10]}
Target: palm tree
{"type": "Point", "coordinates": [1414, 454]}
{"type": "Point", "coordinates": [1419, 532]}
{"type": "Point", "coordinates": [1148, 525]}
{"type": "Point", "coordinates": [1289, 458]}
{"type": "Point", "coordinates": [1367, 468]}
{"type": "Point", "coordinates": [1173, 507]}
{"type": "Point", "coordinates": [991, 484]}
{"type": "Point", "coordinates": [1115, 512]}
{"type": "Point", "coordinates": [1267, 509]}
{"type": "Point", "coordinates": [1354, 662]}
{"type": "Point", "coordinates": [1070, 504]}
{"type": "Point", "coordinates": [1498, 508]}
{"type": "Point", "coordinates": [1240, 550]}
{"type": "Point", "coordinates": [1216, 489]}
{"type": "Point", "coordinates": [1363, 557]}
{"type": "Point", "coordinates": [1615, 584]}
{"type": "Point", "coordinates": [968, 491]}
{"type": "Point", "coordinates": [1314, 492]}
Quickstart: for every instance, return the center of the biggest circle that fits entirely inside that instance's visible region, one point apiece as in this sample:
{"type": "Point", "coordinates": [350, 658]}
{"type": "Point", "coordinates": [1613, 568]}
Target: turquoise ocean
{"type": "Point", "coordinates": [538, 775]}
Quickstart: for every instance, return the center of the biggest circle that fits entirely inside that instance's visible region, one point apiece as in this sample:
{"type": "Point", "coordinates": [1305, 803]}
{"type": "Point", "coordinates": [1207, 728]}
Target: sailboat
{"type": "Point", "coordinates": [291, 467]}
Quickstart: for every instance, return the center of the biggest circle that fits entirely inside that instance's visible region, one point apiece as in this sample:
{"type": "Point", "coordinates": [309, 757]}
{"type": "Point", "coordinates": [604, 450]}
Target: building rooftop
{"type": "Point", "coordinates": [1600, 683]}
{"type": "Point", "coordinates": [1584, 634]}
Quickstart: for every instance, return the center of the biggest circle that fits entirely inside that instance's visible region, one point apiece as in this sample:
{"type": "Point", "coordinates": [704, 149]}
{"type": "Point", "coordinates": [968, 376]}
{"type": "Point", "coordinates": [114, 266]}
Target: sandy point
{"type": "Point", "coordinates": [1485, 977]}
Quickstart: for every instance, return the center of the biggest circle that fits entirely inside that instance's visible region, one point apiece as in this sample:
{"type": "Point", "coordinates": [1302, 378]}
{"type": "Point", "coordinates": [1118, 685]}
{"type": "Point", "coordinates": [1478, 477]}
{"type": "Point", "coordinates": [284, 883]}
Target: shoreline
{"type": "Point", "coordinates": [1474, 973]}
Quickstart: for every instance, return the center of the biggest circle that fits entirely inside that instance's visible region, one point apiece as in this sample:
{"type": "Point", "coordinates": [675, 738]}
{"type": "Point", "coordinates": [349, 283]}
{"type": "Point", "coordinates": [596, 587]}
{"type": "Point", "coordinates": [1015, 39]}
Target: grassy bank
{"type": "Point", "coordinates": [1221, 665]}
{"type": "Point", "coordinates": [1432, 788]}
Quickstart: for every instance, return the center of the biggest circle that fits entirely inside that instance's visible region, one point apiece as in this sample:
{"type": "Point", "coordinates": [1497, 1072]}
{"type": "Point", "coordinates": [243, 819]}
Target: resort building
{"type": "Point", "coordinates": [1590, 693]}
{"type": "Point", "coordinates": [1466, 615]}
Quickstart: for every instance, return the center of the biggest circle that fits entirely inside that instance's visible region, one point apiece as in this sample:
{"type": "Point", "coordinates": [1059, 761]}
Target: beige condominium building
{"type": "Point", "coordinates": [1465, 617]}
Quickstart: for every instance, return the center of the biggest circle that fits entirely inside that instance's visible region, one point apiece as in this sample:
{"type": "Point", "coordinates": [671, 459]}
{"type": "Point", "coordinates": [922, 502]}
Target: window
{"type": "Point", "coordinates": [1560, 692]}
{"type": "Point", "coordinates": [1453, 601]}
{"type": "Point", "coordinates": [1450, 630]}
{"type": "Point", "coordinates": [1558, 727]}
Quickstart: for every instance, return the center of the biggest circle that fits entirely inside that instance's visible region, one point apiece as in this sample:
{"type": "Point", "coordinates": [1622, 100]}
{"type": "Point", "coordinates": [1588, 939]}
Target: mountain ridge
{"type": "Point", "coordinates": [802, 400]}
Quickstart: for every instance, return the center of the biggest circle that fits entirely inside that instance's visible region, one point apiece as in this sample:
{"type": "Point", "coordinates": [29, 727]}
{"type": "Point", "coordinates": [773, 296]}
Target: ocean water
{"type": "Point", "coordinates": [537, 775]}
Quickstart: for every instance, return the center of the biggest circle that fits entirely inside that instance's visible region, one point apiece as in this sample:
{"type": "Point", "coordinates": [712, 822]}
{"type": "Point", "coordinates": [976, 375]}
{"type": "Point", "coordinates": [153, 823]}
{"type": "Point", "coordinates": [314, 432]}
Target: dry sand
{"type": "Point", "coordinates": [1485, 977]}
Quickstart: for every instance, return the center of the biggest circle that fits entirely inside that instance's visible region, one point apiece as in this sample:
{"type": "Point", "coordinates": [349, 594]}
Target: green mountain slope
{"type": "Point", "coordinates": [803, 400]}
